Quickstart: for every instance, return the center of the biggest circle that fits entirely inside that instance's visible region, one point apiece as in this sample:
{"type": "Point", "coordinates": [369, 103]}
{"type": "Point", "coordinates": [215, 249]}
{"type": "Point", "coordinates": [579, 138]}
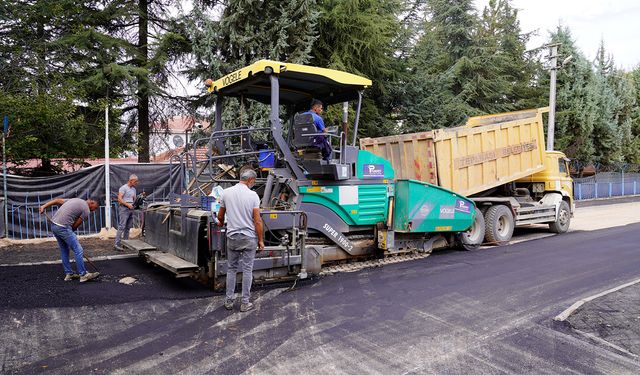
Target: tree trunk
{"type": "Point", "coordinates": [143, 84]}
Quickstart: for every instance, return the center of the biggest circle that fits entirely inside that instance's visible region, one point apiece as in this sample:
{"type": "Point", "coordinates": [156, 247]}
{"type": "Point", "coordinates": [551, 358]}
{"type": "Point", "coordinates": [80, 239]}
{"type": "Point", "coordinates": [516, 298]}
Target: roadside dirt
{"type": "Point", "coordinates": [42, 250]}
{"type": "Point", "coordinates": [614, 318]}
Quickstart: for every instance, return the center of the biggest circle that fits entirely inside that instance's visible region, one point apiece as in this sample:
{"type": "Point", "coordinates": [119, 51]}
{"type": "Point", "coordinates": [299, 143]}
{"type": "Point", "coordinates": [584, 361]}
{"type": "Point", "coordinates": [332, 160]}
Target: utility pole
{"type": "Point", "coordinates": [107, 182]}
{"type": "Point", "coordinates": [553, 58]}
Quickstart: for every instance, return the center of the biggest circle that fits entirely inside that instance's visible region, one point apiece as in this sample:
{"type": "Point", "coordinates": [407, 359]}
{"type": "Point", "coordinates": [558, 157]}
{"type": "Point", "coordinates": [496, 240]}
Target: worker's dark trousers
{"type": "Point", "coordinates": [125, 220]}
{"type": "Point", "coordinates": [325, 147]}
{"type": "Point", "coordinates": [241, 250]}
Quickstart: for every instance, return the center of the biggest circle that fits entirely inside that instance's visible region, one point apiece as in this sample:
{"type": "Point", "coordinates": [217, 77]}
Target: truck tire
{"type": "Point", "coordinates": [472, 238]}
{"type": "Point", "coordinates": [564, 219]}
{"type": "Point", "coordinates": [499, 224]}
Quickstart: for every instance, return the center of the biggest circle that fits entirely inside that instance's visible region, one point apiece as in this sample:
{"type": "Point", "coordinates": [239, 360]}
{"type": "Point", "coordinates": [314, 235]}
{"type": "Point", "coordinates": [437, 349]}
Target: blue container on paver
{"type": "Point", "coordinates": [266, 159]}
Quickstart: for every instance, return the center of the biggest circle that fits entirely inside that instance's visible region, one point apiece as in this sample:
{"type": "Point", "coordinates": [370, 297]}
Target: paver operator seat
{"type": "Point", "coordinates": [303, 138]}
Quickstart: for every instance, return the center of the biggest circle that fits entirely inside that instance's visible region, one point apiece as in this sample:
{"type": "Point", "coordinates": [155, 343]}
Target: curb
{"type": "Point", "coordinates": [566, 313]}
{"type": "Point", "coordinates": [104, 257]}
{"type": "Point", "coordinates": [604, 342]}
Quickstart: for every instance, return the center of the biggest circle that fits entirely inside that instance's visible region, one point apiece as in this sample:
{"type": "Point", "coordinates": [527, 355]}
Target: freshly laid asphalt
{"type": "Point", "coordinates": [25, 287]}
{"type": "Point", "coordinates": [483, 312]}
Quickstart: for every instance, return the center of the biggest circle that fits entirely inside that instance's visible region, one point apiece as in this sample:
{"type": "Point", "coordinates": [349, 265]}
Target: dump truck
{"type": "Point", "coordinates": [319, 215]}
{"type": "Point", "coordinates": [499, 161]}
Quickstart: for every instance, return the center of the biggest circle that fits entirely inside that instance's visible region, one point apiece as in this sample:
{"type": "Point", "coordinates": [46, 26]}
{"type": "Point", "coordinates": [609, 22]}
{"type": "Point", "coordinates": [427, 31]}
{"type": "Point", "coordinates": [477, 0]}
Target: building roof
{"type": "Point", "coordinates": [179, 124]}
{"type": "Point", "coordinates": [201, 154]}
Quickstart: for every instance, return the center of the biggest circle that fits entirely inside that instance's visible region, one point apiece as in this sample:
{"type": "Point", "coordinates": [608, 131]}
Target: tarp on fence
{"type": "Point", "coordinates": [26, 194]}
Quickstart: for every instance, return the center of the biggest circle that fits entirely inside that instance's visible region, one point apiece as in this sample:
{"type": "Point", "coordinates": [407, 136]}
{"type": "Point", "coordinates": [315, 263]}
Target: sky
{"type": "Point", "coordinates": [590, 21]}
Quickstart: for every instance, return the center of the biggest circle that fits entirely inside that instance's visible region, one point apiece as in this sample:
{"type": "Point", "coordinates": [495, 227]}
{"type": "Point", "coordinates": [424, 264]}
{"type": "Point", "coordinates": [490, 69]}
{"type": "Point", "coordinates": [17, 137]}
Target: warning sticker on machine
{"type": "Point", "coordinates": [463, 206]}
{"type": "Point", "coordinates": [447, 212]}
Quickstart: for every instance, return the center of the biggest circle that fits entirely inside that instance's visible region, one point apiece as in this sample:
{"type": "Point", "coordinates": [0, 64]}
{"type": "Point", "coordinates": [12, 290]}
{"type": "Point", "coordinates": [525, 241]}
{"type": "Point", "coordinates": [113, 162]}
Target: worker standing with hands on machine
{"type": "Point", "coordinates": [244, 234]}
{"type": "Point", "coordinates": [63, 224]}
{"type": "Point", "coordinates": [126, 197]}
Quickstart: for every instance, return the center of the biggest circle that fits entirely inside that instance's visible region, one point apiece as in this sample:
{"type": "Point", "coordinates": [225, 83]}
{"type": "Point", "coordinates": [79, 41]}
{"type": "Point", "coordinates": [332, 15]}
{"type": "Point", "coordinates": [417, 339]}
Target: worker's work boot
{"type": "Point", "coordinates": [228, 304]}
{"type": "Point", "coordinates": [71, 276]}
{"type": "Point", "coordinates": [89, 276]}
{"type": "Point", "coordinates": [246, 307]}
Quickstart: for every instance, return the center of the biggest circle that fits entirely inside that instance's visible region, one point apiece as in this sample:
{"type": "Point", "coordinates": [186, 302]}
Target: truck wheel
{"type": "Point", "coordinates": [472, 238]}
{"type": "Point", "coordinates": [564, 219]}
{"type": "Point", "coordinates": [499, 224]}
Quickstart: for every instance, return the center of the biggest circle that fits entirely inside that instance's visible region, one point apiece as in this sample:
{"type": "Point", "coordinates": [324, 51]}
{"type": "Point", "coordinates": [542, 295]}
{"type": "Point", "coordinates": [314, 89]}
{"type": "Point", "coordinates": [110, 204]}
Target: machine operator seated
{"type": "Point", "coordinates": [319, 141]}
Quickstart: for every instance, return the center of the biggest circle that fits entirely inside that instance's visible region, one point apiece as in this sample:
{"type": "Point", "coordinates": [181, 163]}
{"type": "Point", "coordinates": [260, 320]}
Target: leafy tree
{"type": "Point", "coordinates": [41, 61]}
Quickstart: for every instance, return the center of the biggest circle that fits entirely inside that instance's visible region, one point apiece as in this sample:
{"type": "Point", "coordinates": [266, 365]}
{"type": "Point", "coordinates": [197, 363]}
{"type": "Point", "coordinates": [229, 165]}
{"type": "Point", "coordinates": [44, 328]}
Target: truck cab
{"type": "Point", "coordinates": [555, 178]}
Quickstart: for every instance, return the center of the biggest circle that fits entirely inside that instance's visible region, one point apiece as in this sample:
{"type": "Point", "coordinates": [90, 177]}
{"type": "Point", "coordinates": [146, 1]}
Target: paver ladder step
{"type": "Point", "coordinates": [138, 245]}
{"type": "Point", "coordinates": [172, 263]}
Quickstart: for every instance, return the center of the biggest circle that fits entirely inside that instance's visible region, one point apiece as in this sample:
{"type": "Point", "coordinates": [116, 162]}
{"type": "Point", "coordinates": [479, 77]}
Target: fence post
{"type": "Point", "coordinates": [623, 182]}
{"type": "Point", "coordinates": [20, 223]}
{"type": "Point", "coordinates": [26, 214]}
{"type": "Point", "coordinates": [13, 222]}
{"type": "Point", "coordinates": [610, 189]}
{"type": "Point", "coordinates": [579, 191]}
{"type": "Point", "coordinates": [634, 187]}
{"type": "Point", "coordinates": [596, 189]}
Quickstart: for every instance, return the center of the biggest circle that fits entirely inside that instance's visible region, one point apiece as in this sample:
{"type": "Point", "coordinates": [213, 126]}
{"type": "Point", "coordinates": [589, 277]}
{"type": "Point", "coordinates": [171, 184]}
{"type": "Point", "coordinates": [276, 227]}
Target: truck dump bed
{"type": "Point", "coordinates": [486, 152]}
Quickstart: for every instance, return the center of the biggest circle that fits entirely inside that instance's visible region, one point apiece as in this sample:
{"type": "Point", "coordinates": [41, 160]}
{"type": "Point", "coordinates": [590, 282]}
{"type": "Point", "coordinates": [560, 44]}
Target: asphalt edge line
{"type": "Point", "coordinates": [566, 313]}
{"type": "Point", "coordinates": [104, 257]}
{"type": "Point", "coordinates": [604, 342]}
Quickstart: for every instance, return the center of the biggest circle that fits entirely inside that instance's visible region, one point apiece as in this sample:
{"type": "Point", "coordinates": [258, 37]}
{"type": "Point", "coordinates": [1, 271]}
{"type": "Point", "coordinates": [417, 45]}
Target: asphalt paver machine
{"type": "Point", "coordinates": [318, 215]}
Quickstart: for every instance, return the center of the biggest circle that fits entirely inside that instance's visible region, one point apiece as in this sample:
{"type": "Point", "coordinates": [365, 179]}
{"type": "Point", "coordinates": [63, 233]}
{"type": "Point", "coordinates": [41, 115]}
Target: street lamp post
{"type": "Point", "coordinates": [5, 131]}
{"type": "Point", "coordinates": [107, 184]}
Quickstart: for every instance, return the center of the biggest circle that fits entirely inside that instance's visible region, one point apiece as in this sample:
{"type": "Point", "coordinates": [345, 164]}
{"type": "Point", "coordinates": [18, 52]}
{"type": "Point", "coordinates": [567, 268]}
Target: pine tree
{"type": "Point", "coordinates": [633, 154]}
{"type": "Point", "coordinates": [246, 32]}
{"type": "Point", "coordinates": [359, 37]}
{"type": "Point", "coordinates": [504, 68]}
{"type": "Point", "coordinates": [607, 135]}
{"type": "Point", "coordinates": [433, 93]}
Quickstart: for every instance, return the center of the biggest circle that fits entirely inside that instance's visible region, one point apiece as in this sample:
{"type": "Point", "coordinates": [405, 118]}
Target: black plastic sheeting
{"type": "Point", "coordinates": [26, 194]}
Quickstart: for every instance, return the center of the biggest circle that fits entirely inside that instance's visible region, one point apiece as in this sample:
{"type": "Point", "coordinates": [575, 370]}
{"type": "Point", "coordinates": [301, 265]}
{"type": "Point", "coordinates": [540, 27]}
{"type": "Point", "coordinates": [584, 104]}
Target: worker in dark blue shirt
{"type": "Point", "coordinates": [321, 141]}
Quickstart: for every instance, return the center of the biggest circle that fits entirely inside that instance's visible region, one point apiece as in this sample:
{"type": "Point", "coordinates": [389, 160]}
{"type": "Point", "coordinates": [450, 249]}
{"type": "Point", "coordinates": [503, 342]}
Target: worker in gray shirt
{"type": "Point", "coordinates": [66, 220]}
{"type": "Point", "coordinates": [126, 197]}
{"type": "Point", "coordinates": [244, 235]}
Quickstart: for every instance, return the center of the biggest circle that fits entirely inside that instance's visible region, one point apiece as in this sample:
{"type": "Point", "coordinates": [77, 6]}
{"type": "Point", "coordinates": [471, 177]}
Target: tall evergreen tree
{"type": "Point", "coordinates": [360, 37]}
{"type": "Point", "coordinates": [633, 155]}
{"type": "Point", "coordinates": [244, 33]}
{"type": "Point", "coordinates": [505, 70]}
{"type": "Point", "coordinates": [440, 68]}
{"type": "Point", "coordinates": [607, 134]}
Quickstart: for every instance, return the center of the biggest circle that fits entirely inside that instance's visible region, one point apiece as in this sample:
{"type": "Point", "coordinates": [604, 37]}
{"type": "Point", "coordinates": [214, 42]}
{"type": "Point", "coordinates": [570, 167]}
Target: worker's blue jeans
{"type": "Point", "coordinates": [240, 249]}
{"type": "Point", "coordinates": [67, 240]}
